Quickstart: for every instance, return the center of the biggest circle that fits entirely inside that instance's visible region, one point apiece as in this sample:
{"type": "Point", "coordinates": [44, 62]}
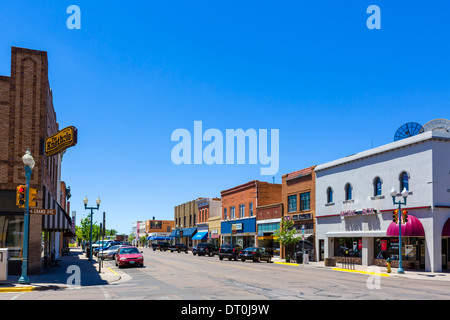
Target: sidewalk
{"type": "Point", "coordinates": [409, 274]}
{"type": "Point", "coordinates": [61, 276]}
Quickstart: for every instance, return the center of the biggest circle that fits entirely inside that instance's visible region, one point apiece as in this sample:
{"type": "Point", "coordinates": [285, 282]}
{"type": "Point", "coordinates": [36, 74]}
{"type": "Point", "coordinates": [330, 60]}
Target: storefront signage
{"type": "Point", "coordinates": [236, 226]}
{"type": "Point", "coordinates": [60, 141]}
{"type": "Point", "coordinates": [353, 213]}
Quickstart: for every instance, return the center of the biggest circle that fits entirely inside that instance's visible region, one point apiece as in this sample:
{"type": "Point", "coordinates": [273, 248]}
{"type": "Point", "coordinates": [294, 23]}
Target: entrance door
{"type": "Point", "coordinates": [444, 253]}
{"type": "Point", "coordinates": [422, 253]}
{"type": "Point", "coordinates": [321, 250]}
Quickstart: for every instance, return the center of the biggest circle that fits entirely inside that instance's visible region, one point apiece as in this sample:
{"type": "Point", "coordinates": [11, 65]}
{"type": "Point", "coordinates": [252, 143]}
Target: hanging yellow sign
{"type": "Point", "coordinates": [60, 141]}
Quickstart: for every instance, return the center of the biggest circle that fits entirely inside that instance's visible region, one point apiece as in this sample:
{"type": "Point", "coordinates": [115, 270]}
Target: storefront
{"type": "Point", "coordinates": [183, 235]}
{"type": "Point", "coordinates": [266, 238]}
{"type": "Point", "coordinates": [239, 231]}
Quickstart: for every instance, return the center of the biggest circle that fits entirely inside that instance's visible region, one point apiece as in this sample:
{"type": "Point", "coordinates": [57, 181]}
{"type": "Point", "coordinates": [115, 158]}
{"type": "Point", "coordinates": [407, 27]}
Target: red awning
{"type": "Point", "coordinates": [215, 236]}
{"type": "Point", "coordinates": [413, 228]}
{"type": "Point", "coordinates": [446, 229]}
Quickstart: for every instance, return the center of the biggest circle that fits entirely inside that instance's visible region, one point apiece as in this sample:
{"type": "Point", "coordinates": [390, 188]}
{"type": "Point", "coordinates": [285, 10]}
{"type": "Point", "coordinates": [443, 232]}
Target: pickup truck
{"type": "Point", "coordinates": [161, 246]}
{"type": "Point", "coordinates": [178, 247]}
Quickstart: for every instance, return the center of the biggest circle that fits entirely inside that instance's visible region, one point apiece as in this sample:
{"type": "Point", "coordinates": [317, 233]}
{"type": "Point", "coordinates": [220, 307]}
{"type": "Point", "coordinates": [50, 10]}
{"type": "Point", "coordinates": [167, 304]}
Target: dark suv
{"type": "Point", "coordinates": [161, 246]}
{"type": "Point", "coordinates": [230, 251]}
{"type": "Point", "coordinates": [178, 247]}
{"type": "Point", "coordinates": [207, 249]}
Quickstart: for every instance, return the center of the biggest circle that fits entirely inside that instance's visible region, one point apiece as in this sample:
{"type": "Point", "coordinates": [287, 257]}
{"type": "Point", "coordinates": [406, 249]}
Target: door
{"type": "Point", "coordinates": [321, 250]}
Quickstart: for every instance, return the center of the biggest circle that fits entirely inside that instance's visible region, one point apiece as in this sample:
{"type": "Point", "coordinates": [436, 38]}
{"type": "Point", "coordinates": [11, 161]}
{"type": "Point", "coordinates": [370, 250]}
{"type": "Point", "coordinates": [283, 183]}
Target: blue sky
{"type": "Point", "coordinates": [138, 70]}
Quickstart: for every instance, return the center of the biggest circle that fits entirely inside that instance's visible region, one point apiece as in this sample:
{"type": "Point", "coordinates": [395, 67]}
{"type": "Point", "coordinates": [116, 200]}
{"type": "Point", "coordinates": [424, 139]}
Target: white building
{"type": "Point", "coordinates": [354, 208]}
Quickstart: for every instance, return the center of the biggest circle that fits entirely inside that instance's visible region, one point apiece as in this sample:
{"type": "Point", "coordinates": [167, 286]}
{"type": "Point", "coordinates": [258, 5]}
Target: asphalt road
{"type": "Point", "coordinates": [180, 276]}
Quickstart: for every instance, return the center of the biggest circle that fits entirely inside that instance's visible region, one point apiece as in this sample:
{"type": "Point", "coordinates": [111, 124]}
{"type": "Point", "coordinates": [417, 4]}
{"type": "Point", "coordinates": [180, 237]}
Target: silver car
{"type": "Point", "coordinates": [110, 252]}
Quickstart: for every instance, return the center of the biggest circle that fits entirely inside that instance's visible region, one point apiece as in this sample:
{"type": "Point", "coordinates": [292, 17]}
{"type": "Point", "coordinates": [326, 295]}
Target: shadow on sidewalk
{"type": "Point", "coordinates": [74, 269]}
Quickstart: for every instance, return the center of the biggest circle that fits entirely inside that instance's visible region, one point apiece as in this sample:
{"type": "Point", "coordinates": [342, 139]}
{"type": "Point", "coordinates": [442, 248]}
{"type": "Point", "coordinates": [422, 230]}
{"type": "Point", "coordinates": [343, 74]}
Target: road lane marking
{"type": "Point", "coordinates": [363, 272]}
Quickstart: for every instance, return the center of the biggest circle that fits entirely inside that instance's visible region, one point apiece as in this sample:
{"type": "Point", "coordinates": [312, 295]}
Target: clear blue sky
{"type": "Point", "coordinates": [138, 70]}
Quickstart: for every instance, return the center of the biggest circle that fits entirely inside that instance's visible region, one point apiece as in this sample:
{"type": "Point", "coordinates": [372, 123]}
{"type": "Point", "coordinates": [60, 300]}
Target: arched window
{"type": "Point", "coordinates": [404, 181]}
{"type": "Point", "coordinates": [329, 195]}
{"type": "Point", "coordinates": [348, 191]}
{"type": "Point", "coordinates": [377, 186]}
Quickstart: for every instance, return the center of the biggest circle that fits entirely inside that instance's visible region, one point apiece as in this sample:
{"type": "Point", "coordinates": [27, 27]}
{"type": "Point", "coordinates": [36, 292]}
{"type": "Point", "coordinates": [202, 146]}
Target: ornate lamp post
{"type": "Point", "coordinates": [29, 163]}
{"type": "Point", "coordinates": [85, 200]}
{"type": "Point", "coordinates": [404, 194]}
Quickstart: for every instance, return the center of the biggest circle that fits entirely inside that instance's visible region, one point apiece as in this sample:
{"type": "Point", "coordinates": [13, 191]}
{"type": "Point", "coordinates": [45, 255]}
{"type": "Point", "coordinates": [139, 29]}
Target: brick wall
{"type": "Point", "coordinates": [28, 116]}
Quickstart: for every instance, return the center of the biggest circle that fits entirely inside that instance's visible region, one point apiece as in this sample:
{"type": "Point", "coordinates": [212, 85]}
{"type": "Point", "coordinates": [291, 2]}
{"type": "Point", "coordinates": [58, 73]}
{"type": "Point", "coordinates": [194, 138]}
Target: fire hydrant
{"type": "Point", "coordinates": [388, 265]}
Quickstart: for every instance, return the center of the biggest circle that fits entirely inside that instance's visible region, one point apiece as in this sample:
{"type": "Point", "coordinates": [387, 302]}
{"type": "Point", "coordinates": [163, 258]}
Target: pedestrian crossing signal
{"type": "Point", "coordinates": [20, 196]}
{"type": "Point", "coordinates": [395, 216]}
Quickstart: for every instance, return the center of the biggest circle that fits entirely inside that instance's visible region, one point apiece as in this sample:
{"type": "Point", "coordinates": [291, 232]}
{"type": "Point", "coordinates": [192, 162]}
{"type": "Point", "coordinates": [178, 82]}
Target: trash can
{"type": "Point", "coordinates": [299, 257]}
{"type": "Point", "coordinates": [4, 258]}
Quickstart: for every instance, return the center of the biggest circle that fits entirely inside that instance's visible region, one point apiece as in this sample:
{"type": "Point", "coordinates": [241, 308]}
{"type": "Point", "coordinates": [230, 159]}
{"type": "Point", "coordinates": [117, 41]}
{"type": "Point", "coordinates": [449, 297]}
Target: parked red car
{"type": "Point", "coordinates": [129, 256]}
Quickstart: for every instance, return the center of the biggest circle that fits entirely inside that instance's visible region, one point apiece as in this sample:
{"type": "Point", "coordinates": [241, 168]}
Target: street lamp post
{"type": "Point", "coordinates": [29, 163]}
{"type": "Point", "coordinates": [85, 200]}
{"type": "Point", "coordinates": [404, 194]}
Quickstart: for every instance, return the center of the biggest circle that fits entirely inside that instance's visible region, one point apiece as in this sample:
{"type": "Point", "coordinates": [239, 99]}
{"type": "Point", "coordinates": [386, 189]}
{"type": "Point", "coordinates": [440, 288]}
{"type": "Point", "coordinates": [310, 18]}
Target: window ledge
{"type": "Point", "coordinates": [348, 201]}
{"type": "Point", "coordinates": [377, 197]}
{"type": "Point", "coordinates": [329, 204]}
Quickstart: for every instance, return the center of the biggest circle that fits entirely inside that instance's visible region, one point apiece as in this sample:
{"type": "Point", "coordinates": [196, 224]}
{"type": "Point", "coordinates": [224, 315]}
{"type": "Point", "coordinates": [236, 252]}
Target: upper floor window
{"type": "Point", "coordinates": [377, 186]}
{"type": "Point", "coordinates": [305, 201]}
{"type": "Point", "coordinates": [224, 213]}
{"type": "Point", "coordinates": [241, 211]}
{"type": "Point", "coordinates": [292, 203]}
{"type": "Point", "coordinates": [251, 209]}
{"type": "Point", "coordinates": [348, 191]}
{"type": "Point", "coordinates": [404, 181]}
{"type": "Point", "coordinates": [329, 195]}
{"type": "Point", "coordinates": [232, 212]}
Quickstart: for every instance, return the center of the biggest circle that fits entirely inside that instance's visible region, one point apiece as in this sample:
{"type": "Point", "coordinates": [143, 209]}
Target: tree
{"type": "Point", "coordinates": [286, 235]}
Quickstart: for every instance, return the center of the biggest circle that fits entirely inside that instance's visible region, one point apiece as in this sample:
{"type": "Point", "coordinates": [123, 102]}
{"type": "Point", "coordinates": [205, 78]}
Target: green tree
{"type": "Point", "coordinates": [286, 234]}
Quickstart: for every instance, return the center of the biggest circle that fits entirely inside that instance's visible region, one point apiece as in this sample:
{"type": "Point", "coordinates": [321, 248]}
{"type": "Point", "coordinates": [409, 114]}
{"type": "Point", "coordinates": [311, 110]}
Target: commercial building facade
{"type": "Point", "coordinates": [208, 208]}
{"type": "Point", "coordinates": [298, 195]}
{"type": "Point", "coordinates": [239, 210]}
{"type": "Point", "coordinates": [185, 222]}
{"type": "Point", "coordinates": [27, 118]}
{"type": "Point", "coordinates": [354, 208]}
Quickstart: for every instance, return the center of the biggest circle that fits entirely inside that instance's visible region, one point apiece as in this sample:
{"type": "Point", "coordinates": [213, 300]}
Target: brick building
{"type": "Point", "coordinates": [298, 197]}
{"type": "Point", "coordinates": [239, 210]}
{"type": "Point", "coordinates": [27, 117]}
{"type": "Point", "coordinates": [207, 208]}
{"type": "Point", "coordinates": [185, 222]}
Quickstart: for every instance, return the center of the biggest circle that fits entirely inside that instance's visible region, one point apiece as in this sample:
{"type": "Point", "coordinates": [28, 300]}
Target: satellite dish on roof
{"type": "Point", "coordinates": [437, 125]}
{"type": "Point", "coordinates": [408, 130]}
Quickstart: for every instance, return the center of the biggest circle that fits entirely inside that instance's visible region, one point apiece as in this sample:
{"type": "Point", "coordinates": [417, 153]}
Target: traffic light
{"type": "Point", "coordinates": [20, 196]}
{"type": "Point", "coordinates": [395, 216]}
{"type": "Point", "coordinates": [405, 216]}
{"type": "Point", "coordinates": [33, 197]}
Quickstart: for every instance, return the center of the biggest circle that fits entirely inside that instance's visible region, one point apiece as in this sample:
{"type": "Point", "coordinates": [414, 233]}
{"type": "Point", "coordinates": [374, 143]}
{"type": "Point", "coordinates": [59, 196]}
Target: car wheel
{"type": "Point", "coordinates": [220, 258]}
{"type": "Point", "coordinates": [178, 250]}
{"type": "Point", "coordinates": [229, 258]}
{"type": "Point", "coordinates": [243, 260]}
{"type": "Point", "coordinates": [114, 256]}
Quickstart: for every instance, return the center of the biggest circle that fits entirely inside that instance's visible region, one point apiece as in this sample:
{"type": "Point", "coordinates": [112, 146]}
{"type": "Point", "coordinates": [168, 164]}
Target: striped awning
{"type": "Point", "coordinates": [59, 222]}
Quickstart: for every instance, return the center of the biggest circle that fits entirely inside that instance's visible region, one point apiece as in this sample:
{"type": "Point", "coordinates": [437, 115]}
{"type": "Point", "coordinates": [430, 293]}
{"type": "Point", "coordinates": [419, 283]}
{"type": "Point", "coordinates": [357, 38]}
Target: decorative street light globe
{"type": "Point", "coordinates": [28, 160]}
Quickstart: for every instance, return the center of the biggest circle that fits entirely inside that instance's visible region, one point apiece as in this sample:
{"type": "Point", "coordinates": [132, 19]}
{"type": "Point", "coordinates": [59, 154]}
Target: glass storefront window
{"type": "Point", "coordinates": [388, 248]}
{"type": "Point", "coordinates": [11, 235]}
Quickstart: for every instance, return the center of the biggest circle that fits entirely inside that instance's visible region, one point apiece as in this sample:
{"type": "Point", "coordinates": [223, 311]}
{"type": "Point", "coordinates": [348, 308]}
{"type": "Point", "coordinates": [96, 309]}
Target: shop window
{"type": "Point", "coordinates": [329, 195]}
{"type": "Point", "coordinates": [348, 191]}
{"type": "Point", "coordinates": [377, 186]}
{"type": "Point", "coordinates": [404, 181]}
{"type": "Point", "coordinates": [292, 203]}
